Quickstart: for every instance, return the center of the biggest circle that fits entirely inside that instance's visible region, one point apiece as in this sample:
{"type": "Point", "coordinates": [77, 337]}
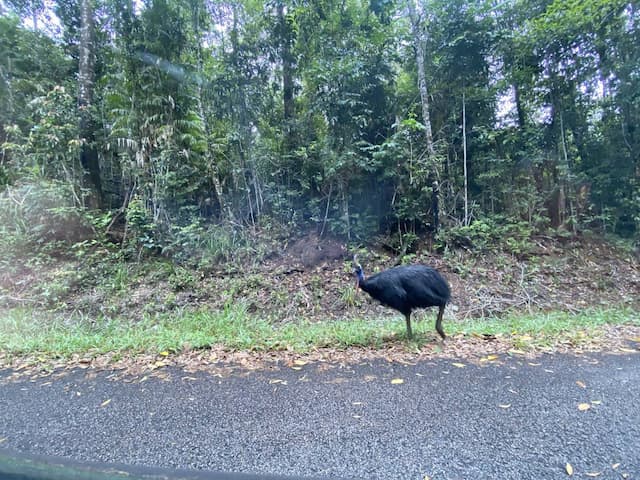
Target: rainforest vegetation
{"type": "Point", "coordinates": [182, 126]}
{"type": "Point", "coordinates": [211, 166]}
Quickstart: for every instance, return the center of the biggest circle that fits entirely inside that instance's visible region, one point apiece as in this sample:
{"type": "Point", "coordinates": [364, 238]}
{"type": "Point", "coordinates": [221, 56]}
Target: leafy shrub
{"type": "Point", "coordinates": [202, 245]}
{"type": "Point", "coordinates": [41, 216]}
{"type": "Point", "coordinates": [488, 234]}
{"type": "Point", "coordinates": [142, 232]}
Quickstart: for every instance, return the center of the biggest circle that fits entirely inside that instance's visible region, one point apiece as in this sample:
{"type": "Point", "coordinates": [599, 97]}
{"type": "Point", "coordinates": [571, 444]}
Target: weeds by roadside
{"type": "Point", "coordinates": [24, 332]}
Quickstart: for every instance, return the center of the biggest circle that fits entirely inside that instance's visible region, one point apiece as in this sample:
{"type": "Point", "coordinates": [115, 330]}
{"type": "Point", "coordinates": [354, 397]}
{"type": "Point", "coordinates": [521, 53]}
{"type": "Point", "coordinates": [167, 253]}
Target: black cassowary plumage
{"type": "Point", "coordinates": [406, 288]}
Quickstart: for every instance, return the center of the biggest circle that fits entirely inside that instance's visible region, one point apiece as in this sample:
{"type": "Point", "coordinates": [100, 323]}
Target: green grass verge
{"type": "Point", "coordinates": [26, 332]}
{"type": "Point", "coordinates": [548, 329]}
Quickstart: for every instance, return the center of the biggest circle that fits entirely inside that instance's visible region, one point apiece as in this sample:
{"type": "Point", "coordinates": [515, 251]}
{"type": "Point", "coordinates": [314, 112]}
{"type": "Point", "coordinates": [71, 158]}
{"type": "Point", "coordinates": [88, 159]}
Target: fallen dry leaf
{"type": "Point", "coordinates": [569, 469]}
{"type": "Point", "coordinates": [596, 402]}
{"type": "Point", "coordinates": [459, 365]}
{"type": "Point", "coordinates": [593, 474]}
{"type": "Point", "coordinates": [583, 407]}
{"type": "Point", "coordinates": [581, 384]}
{"type": "Point", "coordinates": [615, 466]}
{"type": "Point", "coordinates": [489, 358]}
{"type": "Point", "coordinates": [397, 381]}
{"type": "Point", "coordinates": [277, 380]}
{"type": "Point", "coordinates": [506, 405]}
{"type": "Point", "coordinates": [627, 350]}
{"type": "Point", "coordinates": [300, 363]}
{"type": "Point", "coordinates": [3, 439]}
{"type": "Point", "coordinates": [164, 353]}
{"type": "Point", "coordinates": [105, 403]}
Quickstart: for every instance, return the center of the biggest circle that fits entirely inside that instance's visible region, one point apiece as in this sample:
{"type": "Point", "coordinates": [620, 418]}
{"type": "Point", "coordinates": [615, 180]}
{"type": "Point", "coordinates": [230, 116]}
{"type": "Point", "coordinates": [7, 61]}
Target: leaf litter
{"type": "Point", "coordinates": [219, 360]}
{"type": "Point", "coordinates": [569, 469]}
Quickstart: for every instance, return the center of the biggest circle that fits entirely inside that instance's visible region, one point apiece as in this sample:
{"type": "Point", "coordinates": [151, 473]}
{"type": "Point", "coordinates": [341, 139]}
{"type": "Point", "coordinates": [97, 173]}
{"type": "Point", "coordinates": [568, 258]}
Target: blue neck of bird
{"type": "Point", "coordinates": [360, 274]}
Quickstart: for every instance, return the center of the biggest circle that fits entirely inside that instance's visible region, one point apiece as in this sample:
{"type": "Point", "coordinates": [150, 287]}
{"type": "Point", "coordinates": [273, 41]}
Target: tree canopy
{"type": "Point", "coordinates": [355, 118]}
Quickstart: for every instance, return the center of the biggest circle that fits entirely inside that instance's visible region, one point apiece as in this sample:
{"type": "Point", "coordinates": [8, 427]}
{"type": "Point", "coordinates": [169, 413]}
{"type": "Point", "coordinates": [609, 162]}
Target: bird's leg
{"type": "Point", "coordinates": [439, 322]}
{"type": "Point", "coordinates": [407, 317]}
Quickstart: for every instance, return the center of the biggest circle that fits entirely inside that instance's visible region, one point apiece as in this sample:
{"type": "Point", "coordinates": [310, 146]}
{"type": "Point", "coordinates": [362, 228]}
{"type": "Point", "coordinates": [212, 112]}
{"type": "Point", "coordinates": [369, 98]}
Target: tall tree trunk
{"type": "Point", "coordinates": [464, 156]}
{"type": "Point", "coordinates": [565, 185]}
{"type": "Point", "coordinates": [287, 63]}
{"type": "Point", "coordinates": [285, 41]}
{"type": "Point", "coordinates": [418, 33]}
{"type": "Point", "coordinates": [86, 77]}
{"type": "Point", "coordinates": [519, 106]}
{"type": "Point", "coordinates": [225, 210]}
{"type": "Point", "coordinates": [419, 45]}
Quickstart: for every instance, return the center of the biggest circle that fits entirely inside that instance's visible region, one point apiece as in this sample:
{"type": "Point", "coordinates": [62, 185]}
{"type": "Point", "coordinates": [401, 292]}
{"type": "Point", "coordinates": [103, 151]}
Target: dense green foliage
{"type": "Point", "coordinates": [184, 118]}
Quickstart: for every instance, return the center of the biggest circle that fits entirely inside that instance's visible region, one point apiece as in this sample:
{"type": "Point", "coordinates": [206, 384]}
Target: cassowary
{"type": "Point", "coordinates": [406, 288]}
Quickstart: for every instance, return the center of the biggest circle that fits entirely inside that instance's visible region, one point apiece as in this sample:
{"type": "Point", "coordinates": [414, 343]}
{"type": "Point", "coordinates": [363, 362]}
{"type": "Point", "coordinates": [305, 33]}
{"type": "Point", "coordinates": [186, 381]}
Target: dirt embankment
{"type": "Point", "coordinates": [311, 279]}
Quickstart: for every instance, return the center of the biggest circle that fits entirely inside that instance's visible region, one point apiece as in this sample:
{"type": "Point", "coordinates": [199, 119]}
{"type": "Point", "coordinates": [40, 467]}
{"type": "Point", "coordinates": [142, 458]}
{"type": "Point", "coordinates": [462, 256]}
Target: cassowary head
{"type": "Point", "coordinates": [357, 271]}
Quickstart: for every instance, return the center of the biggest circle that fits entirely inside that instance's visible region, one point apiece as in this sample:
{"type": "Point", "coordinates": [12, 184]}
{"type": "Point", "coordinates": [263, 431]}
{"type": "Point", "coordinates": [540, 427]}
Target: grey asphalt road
{"type": "Point", "coordinates": [514, 418]}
